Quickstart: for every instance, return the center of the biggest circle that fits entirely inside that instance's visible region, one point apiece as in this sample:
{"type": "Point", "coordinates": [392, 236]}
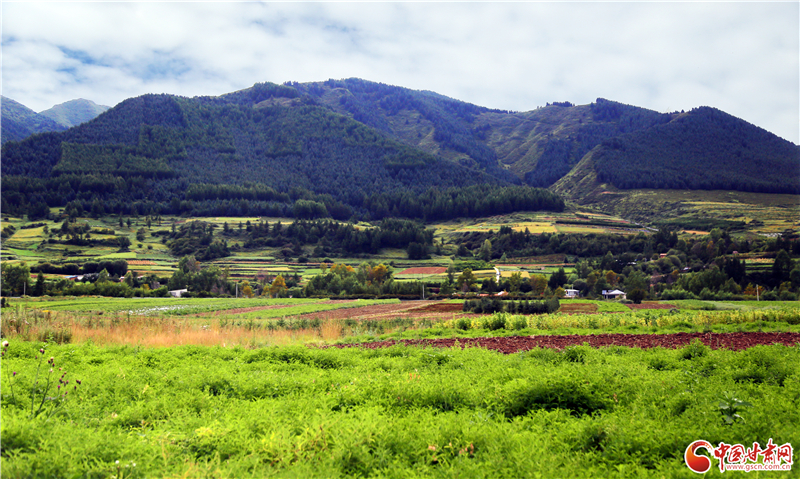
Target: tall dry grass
{"type": "Point", "coordinates": [146, 331]}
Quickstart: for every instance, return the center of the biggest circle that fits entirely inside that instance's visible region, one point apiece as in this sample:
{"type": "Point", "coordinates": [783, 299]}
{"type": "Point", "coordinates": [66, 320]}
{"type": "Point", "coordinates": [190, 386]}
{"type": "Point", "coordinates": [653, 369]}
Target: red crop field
{"type": "Point", "coordinates": [424, 270]}
{"type": "Point", "coordinates": [513, 344]}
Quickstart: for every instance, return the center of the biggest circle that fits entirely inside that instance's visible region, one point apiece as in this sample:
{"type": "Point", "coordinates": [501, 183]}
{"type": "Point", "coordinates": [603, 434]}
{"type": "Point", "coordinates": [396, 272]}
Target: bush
{"type": "Point", "coordinates": [494, 305]}
{"type": "Point", "coordinates": [695, 349]}
{"type": "Point", "coordinates": [676, 293]}
{"type": "Point", "coordinates": [770, 296]}
{"type": "Point", "coordinates": [788, 296]}
{"type": "Point", "coordinates": [519, 322]}
{"type": "Point", "coordinates": [463, 324]}
{"type": "Point", "coordinates": [553, 305]}
{"type": "Point", "coordinates": [494, 322]}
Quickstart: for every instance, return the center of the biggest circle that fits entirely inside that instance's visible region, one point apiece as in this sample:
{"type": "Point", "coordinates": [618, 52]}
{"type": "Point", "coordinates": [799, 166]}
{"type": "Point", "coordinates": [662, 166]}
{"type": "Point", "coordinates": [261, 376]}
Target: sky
{"type": "Point", "coordinates": [743, 58]}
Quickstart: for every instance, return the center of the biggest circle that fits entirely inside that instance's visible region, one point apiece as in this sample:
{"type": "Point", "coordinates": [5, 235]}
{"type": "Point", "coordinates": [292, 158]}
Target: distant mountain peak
{"type": "Point", "coordinates": [74, 112]}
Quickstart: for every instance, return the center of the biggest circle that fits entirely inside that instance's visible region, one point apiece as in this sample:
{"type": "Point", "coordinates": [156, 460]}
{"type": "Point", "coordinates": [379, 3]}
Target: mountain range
{"type": "Point", "coordinates": [20, 122]}
{"type": "Point", "coordinates": [354, 144]}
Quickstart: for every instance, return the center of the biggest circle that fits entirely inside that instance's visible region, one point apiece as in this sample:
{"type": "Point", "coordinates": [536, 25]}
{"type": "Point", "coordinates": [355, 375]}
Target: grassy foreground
{"type": "Point", "coordinates": [295, 411]}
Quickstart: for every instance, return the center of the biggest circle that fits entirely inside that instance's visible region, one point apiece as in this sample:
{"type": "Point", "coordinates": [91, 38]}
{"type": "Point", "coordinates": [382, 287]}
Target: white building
{"type": "Point", "coordinates": [613, 294]}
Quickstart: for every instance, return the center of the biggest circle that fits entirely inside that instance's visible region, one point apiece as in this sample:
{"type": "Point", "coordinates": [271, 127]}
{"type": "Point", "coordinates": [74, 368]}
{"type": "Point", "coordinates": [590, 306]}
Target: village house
{"type": "Point", "coordinates": [613, 294]}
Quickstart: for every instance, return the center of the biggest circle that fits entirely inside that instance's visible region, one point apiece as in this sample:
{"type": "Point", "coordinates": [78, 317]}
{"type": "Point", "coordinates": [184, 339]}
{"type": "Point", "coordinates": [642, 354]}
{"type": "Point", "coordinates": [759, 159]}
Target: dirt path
{"type": "Point", "coordinates": [513, 344]}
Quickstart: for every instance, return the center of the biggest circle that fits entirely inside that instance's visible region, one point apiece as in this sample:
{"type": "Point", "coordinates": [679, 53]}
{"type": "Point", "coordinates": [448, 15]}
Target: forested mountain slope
{"type": "Point", "coordinates": [215, 154]}
{"type": "Point", "coordinates": [704, 149]}
{"type": "Point", "coordinates": [538, 146]}
{"type": "Point", "coordinates": [353, 146]}
{"type": "Point", "coordinates": [19, 121]}
{"type": "Point", "coordinates": [541, 146]}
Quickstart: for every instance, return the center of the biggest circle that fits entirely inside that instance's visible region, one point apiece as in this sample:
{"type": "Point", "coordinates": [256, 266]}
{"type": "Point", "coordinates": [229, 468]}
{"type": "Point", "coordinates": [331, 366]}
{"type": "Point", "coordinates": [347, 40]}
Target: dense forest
{"type": "Point", "coordinates": [702, 149]}
{"type": "Point", "coordinates": [605, 119]}
{"type": "Point", "coordinates": [368, 150]}
{"type": "Point", "coordinates": [371, 103]}
{"type": "Point", "coordinates": [162, 154]}
{"type": "Point", "coordinates": [19, 121]}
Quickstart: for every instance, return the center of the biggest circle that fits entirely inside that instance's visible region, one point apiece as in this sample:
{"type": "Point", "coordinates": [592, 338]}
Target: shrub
{"type": "Point", "coordinates": [695, 349]}
{"type": "Point", "coordinates": [494, 322]}
{"type": "Point", "coordinates": [463, 324]}
{"type": "Point", "coordinates": [519, 322]}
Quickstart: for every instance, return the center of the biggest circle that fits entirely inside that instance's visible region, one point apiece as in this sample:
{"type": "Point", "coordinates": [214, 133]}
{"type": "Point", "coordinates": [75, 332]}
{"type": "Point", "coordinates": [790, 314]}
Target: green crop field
{"type": "Point", "coordinates": [209, 403]}
{"type": "Point", "coordinates": [194, 411]}
{"type": "Point", "coordinates": [180, 306]}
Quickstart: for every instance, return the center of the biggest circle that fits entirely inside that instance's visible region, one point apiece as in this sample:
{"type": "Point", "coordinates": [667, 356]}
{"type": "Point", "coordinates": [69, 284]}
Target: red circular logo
{"type": "Point", "coordinates": [698, 464]}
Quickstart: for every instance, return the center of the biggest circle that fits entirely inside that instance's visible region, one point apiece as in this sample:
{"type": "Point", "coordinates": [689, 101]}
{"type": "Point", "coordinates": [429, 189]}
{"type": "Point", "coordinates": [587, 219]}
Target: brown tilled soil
{"type": "Point", "coordinates": [406, 309]}
{"type": "Point", "coordinates": [513, 344]}
{"type": "Point", "coordinates": [442, 308]}
{"type": "Point", "coordinates": [577, 308]}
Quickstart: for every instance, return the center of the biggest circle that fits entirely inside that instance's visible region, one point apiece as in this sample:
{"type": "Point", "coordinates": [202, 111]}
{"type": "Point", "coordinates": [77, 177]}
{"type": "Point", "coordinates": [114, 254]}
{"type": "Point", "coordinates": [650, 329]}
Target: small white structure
{"type": "Point", "coordinates": [176, 293]}
{"type": "Point", "coordinates": [571, 293]}
{"type": "Point", "coordinates": [613, 294]}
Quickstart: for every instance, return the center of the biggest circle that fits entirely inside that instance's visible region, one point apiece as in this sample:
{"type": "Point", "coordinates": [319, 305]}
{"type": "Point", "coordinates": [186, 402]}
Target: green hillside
{"type": "Point", "coordinates": [74, 112]}
{"type": "Point", "coordinates": [19, 121]}
{"type": "Point", "coordinates": [542, 146]}
{"type": "Point", "coordinates": [702, 149]}
{"type": "Point", "coordinates": [353, 147]}
{"type": "Point", "coordinates": [149, 153]}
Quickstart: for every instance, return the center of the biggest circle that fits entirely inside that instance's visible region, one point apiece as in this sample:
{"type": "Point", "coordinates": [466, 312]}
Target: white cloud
{"type": "Point", "coordinates": [739, 57]}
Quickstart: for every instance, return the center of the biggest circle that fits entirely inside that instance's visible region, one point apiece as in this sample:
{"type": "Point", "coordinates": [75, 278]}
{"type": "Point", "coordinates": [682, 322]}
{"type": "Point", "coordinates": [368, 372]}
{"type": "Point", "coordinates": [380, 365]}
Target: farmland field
{"type": "Point", "coordinates": [575, 411]}
{"type": "Point", "coordinates": [538, 223]}
{"type": "Point", "coordinates": [334, 387]}
{"type": "Point", "coordinates": [447, 394]}
{"type": "Point", "coordinates": [759, 213]}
